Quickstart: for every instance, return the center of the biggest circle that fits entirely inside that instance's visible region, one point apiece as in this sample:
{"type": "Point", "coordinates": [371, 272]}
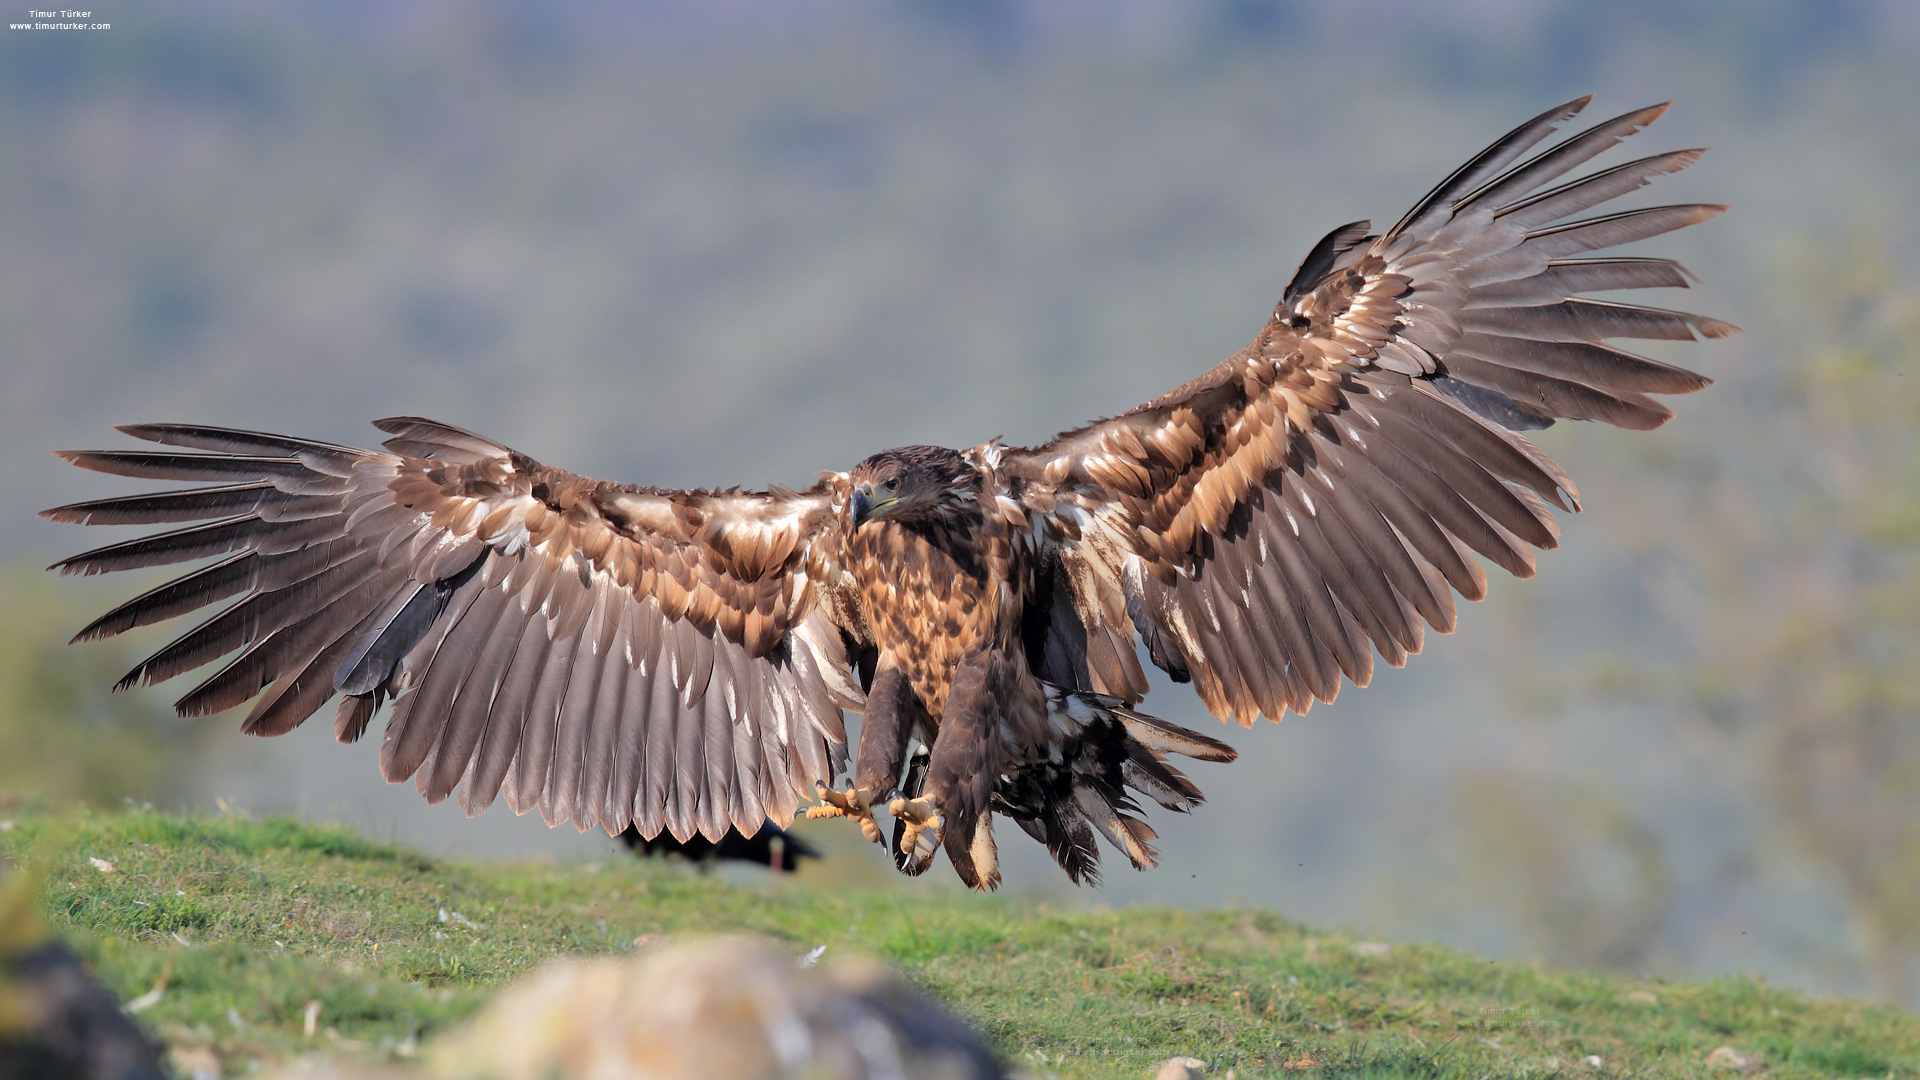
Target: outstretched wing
{"type": "Point", "coordinates": [613, 655]}
{"type": "Point", "coordinates": [1318, 496]}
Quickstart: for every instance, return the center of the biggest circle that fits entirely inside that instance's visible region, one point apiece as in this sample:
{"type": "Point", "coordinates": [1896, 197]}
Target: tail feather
{"type": "Point", "coordinates": [1158, 734]}
{"type": "Point", "coordinates": [1083, 784]}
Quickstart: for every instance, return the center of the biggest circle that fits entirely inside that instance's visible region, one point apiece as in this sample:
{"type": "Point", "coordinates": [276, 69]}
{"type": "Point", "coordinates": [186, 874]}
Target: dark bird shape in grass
{"type": "Point", "coordinates": [757, 849]}
{"type": "Point", "coordinates": [637, 657]}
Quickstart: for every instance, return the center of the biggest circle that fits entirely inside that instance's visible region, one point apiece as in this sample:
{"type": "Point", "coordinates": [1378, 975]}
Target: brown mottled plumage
{"type": "Point", "coordinates": [679, 660]}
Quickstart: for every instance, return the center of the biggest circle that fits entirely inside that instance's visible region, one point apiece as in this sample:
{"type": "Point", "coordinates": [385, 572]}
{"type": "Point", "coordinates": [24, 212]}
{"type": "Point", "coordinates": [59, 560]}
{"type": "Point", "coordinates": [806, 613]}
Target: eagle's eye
{"type": "Point", "coordinates": [893, 484]}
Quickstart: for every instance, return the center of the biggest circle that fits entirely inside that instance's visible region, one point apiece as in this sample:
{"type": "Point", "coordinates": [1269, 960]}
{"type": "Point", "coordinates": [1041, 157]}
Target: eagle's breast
{"type": "Point", "coordinates": [935, 594]}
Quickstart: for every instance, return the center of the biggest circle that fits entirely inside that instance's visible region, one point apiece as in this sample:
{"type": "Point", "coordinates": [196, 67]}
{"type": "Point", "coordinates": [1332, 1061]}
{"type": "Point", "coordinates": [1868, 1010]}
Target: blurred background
{"type": "Point", "coordinates": [743, 242]}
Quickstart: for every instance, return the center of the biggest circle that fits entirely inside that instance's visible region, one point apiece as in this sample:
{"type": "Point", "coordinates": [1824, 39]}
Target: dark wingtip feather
{"type": "Point", "coordinates": [405, 425]}
{"type": "Point", "coordinates": [1561, 113]}
{"type": "Point", "coordinates": [102, 628]}
{"type": "Point", "coordinates": [1492, 159]}
{"type": "Point", "coordinates": [71, 567]}
{"type": "Point", "coordinates": [148, 432]}
{"type": "Point", "coordinates": [1321, 259]}
{"type": "Point", "coordinates": [397, 425]}
{"type": "Point", "coordinates": [80, 458]}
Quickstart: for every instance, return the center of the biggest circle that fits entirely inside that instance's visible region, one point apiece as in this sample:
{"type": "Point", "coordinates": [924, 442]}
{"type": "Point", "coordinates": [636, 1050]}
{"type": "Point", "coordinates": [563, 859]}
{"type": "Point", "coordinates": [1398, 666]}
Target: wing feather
{"type": "Point", "coordinates": [437, 667]}
{"type": "Point", "coordinates": [538, 736]}
{"type": "Point", "coordinates": [560, 798]}
{"type": "Point", "coordinates": [495, 638]}
{"type": "Point", "coordinates": [531, 626]}
{"type": "Point", "coordinates": [300, 691]}
{"type": "Point", "coordinates": [506, 719]}
{"type": "Point", "coordinates": [1396, 629]}
{"type": "Point", "coordinates": [658, 766]}
{"type": "Point", "coordinates": [1293, 582]}
{"type": "Point", "coordinates": [717, 795]}
{"type": "Point", "coordinates": [1276, 520]}
{"type": "Point", "coordinates": [624, 791]}
{"type": "Point", "coordinates": [258, 498]}
{"type": "Point", "coordinates": [289, 647]}
{"type": "Point", "coordinates": [596, 760]}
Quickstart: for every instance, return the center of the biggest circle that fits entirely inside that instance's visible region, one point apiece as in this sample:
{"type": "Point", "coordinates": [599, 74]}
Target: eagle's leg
{"type": "Point", "coordinates": [968, 756]}
{"type": "Point", "coordinates": [892, 715]}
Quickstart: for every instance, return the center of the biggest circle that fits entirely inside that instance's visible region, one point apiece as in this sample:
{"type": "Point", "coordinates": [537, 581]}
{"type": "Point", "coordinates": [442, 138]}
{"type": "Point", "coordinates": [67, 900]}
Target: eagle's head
{"type": "Point", "coordinates": [912, 483]}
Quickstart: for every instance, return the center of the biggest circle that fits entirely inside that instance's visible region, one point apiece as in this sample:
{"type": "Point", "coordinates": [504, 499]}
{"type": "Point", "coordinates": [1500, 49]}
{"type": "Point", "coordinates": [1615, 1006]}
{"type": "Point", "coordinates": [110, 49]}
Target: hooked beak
{"type": "Point", "coordinates": [866, 506]}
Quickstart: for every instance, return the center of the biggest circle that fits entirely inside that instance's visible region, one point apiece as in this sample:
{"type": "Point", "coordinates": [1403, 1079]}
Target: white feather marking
{"type": "Point", "coordinates": [1189, 642]}
{"type": "Point", "coordinates": [1213, 614]}
{"type": "Point", "coordinates": [1308, 499]}
{"type": "Point", "coordinates": [1292, 522]}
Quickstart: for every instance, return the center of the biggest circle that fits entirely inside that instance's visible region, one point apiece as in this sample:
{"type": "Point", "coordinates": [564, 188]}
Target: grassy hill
{"type": "Point", "coordinates": [241, 924]}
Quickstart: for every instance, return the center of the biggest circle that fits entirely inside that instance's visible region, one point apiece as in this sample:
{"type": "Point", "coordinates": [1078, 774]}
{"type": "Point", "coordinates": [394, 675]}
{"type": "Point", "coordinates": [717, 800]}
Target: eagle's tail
{"type": "Point", "coordinates": [1105, 754]}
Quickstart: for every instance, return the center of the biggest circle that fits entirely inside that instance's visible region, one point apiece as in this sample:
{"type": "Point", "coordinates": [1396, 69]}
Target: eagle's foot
{"type": "Point", "coordinates": [846, 803]}
{"type": "Point", "coordinates": [920, 824]}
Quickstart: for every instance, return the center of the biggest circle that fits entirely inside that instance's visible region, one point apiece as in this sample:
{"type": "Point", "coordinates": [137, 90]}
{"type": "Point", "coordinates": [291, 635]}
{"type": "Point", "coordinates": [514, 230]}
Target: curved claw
{"type": "Point", "coordinates": [846, 803]}
{"type": "Point", "coordinates": [920, 824]}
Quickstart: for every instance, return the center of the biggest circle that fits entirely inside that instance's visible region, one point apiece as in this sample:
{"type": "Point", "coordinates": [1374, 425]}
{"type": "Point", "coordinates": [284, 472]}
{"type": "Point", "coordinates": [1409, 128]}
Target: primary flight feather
{"type": "Point", "coordinates": [638, 657]}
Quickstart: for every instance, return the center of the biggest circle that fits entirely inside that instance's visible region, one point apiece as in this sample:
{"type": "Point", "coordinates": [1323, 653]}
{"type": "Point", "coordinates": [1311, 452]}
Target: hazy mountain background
{"type": "Point", "coordinates": [744, 242]}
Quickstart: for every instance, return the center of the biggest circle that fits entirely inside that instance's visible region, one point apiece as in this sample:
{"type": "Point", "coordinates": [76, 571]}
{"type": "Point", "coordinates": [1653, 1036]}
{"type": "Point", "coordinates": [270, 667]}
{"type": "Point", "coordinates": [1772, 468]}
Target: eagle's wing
{"type": "Point", "coordinates": [1268, 525]}
{"type": "Point", "coordinates": [613, 655]}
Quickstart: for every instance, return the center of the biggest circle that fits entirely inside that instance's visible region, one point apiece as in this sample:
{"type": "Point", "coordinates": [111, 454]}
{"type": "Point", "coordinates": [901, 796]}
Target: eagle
{"type": "Point", "coordinates": [644, 658]}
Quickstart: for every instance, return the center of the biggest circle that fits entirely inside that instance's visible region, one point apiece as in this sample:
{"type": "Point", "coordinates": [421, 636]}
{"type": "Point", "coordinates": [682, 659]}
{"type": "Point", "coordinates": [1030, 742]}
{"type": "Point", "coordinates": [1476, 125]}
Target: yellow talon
{"type": "Point", "coordinates": [848, 803]}
{"type": "Point", "coordinates": [920, 824]}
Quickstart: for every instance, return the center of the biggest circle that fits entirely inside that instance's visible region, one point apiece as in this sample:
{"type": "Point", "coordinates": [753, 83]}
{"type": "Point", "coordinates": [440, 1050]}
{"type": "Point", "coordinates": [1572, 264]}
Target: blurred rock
{"type": "Point", "coordinates": [56, 1022]}
{"type": "Point", "coordinates": [1726, 1057]}
{"type": "Point", "coordinates": [721, 1009]}
{"type": "Point", "coordinates": [1181, 1068]}
{"type": "Point", "coordinates": [195, 1062]}
{"type": "Point", "coordinates": [321, 1069]}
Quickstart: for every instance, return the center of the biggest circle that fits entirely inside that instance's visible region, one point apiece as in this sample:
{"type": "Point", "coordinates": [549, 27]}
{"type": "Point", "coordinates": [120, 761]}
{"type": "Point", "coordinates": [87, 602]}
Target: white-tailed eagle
{"type": "Point", "coordinates": [622, 656]}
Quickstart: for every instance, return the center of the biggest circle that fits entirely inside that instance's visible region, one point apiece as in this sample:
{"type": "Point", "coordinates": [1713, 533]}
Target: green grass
{"type": "Point", "coordinates": [249, 920]}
